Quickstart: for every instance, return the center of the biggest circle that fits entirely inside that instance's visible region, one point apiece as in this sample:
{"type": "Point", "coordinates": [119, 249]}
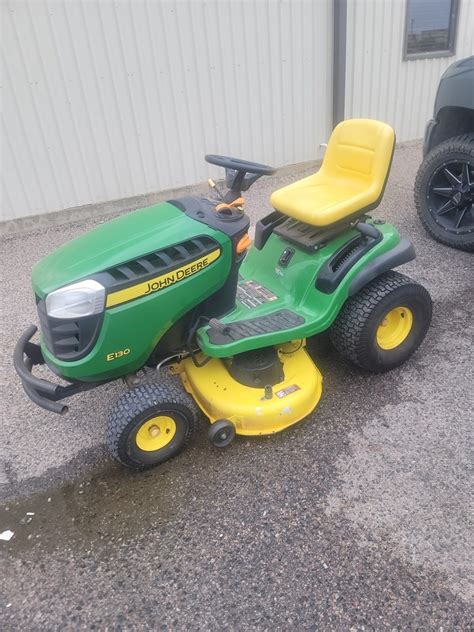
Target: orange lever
{"type": "Point", "coordinates": [243, 243]}
{"type": "Point", "coordinates": [238, 202]}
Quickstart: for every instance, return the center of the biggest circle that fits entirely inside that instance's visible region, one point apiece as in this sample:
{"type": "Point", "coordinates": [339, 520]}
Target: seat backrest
{"type": "Point", "coordinates": [360, 150]}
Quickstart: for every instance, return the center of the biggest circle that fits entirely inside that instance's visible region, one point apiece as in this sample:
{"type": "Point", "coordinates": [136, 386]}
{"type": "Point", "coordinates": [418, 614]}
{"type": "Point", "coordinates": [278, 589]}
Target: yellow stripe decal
{"type": "Point", "coordinates": [161, 282]}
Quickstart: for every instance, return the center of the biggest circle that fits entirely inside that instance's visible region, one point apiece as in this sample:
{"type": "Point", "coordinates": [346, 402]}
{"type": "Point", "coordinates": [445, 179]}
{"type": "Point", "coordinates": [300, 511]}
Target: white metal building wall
{"type": "Point", "coordinates": [110, 99]}
{"type": "Point", "coordinates": [379, 84]}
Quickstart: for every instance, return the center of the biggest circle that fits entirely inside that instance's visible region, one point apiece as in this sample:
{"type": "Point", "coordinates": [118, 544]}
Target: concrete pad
{"type": "Point", "coordinates": [355, 518]}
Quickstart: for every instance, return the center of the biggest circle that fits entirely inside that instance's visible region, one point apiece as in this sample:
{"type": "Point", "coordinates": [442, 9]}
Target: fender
{"type": "Point", "coordinates": [402, 253]}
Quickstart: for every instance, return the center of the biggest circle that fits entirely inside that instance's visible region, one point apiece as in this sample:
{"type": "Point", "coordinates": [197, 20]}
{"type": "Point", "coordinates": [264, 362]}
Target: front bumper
{"type": "Point", "coordinates": [42, 392]}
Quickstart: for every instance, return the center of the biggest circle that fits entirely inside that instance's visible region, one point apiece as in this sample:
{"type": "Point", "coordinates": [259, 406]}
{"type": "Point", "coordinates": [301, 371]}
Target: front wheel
{"type": "Point", "coordinates": [382, 325]}
{"type": "Point", "coordinates": [150, 424]}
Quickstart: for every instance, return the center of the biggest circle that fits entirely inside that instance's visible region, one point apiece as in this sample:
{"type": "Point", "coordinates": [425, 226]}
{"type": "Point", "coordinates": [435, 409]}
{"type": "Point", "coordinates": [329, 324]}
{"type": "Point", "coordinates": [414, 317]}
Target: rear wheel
{"type": "Point", "coordinates": [150, 424]}
{"type": "Point", "coordinates": [444, 192]}
{"type": "Point", "coordinates": [383, 324]}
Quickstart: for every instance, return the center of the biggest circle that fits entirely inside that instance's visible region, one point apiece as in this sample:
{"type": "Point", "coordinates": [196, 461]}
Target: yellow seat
{"type": "Point", "coordinates": [351, 179]}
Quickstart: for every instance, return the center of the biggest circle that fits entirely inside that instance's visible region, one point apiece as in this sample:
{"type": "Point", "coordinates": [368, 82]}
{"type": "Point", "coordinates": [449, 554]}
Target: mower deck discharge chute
{"type": "Point", "coordinates": [176, 289]}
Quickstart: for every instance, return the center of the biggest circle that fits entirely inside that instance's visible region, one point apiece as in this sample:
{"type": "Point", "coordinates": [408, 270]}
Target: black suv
{"type": "Point", "coordinates": [444, 186]}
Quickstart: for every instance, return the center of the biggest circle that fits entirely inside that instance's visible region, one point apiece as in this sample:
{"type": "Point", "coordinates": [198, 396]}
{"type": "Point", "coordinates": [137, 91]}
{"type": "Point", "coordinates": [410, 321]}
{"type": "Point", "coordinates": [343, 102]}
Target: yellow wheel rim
{"type": "Point", "coordinates": [156, 433]}
{"type": "Point", "coordinates": [394, 328]}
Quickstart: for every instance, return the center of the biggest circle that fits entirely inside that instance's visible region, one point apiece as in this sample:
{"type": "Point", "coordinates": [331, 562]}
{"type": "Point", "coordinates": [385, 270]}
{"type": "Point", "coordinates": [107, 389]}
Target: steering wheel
{"type": "Point", "coordinates": [240, 165]}
{"type": "Point", "coordinates": [239, 174]}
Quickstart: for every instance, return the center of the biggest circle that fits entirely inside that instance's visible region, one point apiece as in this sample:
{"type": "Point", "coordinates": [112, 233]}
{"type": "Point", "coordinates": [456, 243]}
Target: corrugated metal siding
{"type": "Point", "coordinates": [379, 84]}
{"type": "Point", "coordinates": [106, 100]}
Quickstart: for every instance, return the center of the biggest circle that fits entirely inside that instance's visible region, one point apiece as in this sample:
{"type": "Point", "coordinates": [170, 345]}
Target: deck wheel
{"type": "Point", "coordinates": [221, 433]}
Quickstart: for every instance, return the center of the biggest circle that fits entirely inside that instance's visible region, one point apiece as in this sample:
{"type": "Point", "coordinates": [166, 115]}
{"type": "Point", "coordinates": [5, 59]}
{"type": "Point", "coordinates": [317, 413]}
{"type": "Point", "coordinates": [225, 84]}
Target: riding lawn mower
{"type": "Point", "coordinates": [175, 300]}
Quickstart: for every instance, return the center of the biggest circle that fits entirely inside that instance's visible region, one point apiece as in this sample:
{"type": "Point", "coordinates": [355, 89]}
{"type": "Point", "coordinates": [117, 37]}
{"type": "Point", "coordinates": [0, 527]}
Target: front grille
{"type": "Point", "coordinates": [72, 339]}
{"type": "Point", "coordinates": [68, 339]}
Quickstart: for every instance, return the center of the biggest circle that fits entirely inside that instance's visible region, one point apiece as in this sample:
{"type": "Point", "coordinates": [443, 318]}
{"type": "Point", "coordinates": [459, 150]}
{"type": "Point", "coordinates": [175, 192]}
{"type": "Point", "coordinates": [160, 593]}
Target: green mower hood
{"type": "Point", "coordinates": [114, 242]}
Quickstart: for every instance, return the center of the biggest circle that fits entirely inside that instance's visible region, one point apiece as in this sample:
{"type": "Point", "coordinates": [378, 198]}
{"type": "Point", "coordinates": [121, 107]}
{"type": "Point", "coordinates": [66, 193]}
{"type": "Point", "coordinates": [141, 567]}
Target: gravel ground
{"type": "Point", "coordinates": [356, 518]}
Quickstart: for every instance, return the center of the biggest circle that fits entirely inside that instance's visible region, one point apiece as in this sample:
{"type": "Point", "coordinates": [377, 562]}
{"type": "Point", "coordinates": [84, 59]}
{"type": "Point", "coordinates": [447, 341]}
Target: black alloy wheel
{"type": "Point", "coordinates": [451, 196]}
{"type": "Point", "coordinates": [444, 192]}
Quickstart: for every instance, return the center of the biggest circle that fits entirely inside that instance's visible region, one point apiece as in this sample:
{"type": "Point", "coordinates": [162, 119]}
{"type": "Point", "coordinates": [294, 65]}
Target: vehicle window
{"type": "Point", "coordinates": [430, 28]}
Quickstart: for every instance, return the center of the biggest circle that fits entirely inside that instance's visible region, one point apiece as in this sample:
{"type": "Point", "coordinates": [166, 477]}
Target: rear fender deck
{"type": "Point", "coordinates": [277, 303]}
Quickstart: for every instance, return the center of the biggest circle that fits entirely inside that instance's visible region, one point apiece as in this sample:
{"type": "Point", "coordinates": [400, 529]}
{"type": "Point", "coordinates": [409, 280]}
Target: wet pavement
{"type": "Point", "coordinates": [357, 518]}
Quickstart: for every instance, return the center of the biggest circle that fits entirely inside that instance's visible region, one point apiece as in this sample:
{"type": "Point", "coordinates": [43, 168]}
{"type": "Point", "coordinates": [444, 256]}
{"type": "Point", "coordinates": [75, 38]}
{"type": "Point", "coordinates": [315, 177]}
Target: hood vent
{"type": "Point", "coordinates": [158, 262]}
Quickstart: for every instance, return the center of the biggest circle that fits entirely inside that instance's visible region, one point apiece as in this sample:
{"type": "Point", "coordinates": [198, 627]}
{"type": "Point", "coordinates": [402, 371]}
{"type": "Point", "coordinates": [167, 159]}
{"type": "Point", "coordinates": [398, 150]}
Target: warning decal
{"type": "Point", "coordinates": [287, 390]}
{"type": "Point", "coordinates": [252, 294]}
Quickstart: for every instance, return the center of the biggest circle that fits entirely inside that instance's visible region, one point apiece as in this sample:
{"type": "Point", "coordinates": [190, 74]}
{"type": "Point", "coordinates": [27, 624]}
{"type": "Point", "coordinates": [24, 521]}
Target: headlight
{"type": "Point", "coordinates": [74, 301]}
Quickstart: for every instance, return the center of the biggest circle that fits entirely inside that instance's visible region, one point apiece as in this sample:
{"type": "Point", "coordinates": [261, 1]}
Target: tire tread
{"type": "Point", "coordinates": [136, 401]}
{"type": "Point", "coordinates": [463, 143]}
{"type": "Point", "coordinates": [348, 332]}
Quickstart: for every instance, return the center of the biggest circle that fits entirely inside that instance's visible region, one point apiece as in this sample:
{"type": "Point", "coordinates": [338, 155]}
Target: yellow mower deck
{"type": "Point", "coordinates": [219, 396]}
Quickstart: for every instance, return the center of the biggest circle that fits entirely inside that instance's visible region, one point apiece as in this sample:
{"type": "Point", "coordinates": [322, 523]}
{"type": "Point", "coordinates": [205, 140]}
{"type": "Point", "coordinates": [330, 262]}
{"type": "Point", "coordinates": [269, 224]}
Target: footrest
{"type": "Point", "coordinates": [277, 321]}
